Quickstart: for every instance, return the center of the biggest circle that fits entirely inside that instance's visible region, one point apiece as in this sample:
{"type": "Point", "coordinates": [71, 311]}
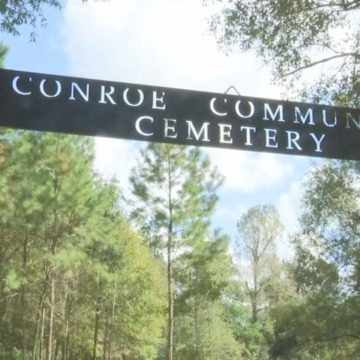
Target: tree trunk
{"type": "Point", "coordinates": [51, 316]}
{"type": "Point", "coordinates": [67, 312]}
{"type": "Point", "coordinates": [170, 279]}
{"type": "Point", "coordinates": [42, 334]}
{"type": "Point", "coordinates": [96, 331]}
{"type": "Point", "coordinates": [40, 330]}
{"type": "Point", "coordinates": [57, 348]}
{"type": "Point", "coordinates": [105, 339]}
{"type": "Point", "coordinates": [112, 321]}
{"type": "Point", "coordinates": [37, 336]}
{"type": "Point", "coordinates": [254, 295]}
{"type": "Point", "coordinates": [23, 297]}
{"type": "Point", "coordinates": [3, 301]}
{"type": "Point", "coordinates": [210, 332]}
{"type": "Point", "coordinates": [170, 303]}
{"type": "Point", "coordinates": [196, 326]}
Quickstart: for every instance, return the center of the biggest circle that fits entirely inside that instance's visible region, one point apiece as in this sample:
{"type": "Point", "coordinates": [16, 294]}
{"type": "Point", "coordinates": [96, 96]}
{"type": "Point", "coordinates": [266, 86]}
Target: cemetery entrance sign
{"type": "Point", "coordinates": [102, 108]}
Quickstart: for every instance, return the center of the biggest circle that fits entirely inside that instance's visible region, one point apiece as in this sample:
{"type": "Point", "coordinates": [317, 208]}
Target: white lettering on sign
{"type": "Point", "coordinates": [127, 101]}
{"type": "Point", "coordinates": [278, 113]}
{"type": "Point", "coordinates": [325, 119]}
{"type": "Point", "coordinates": [248, 131]}
{"type": "Point", "coordinates": [240, 114]}
{"type": "Point", "coordinates": [350, 118]}
{"type": "Point", "coordinates": [16, 88]}
{"type": "Point", "coordinates": [138, 123]}
{"type": "Point", "coordinates": [106, 94]}
{"type": "Point", "coordinates": [55, 94]}
{"type": "Point", "coordinates": [84, 94]}
{"type": "Point", "coordinates": [292, 140]}
{"type": "Point", "coordinates": [158, 101]}
{"type": "Point", "coordinates": [202, 134]}
{"type": "Point", "coordinates": [225, 134]}
{"type": "Point", "coordinates": [169, 128]}
{"type": "Point", "coordinates": [216, 111]}
{"type": "Point", "coordinates": [299, 117]}
{"type": "Point", "coordinates": [270, 138]}
{"type": "Point", "coordinates": [318, 141]}
{"type": "Point", "coordinates": [170, 115]}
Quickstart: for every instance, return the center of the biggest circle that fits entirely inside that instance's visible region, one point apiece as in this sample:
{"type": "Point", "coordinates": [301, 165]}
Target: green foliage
{"type": "Point", "coordinates": [204, 333]}
{"type": "Point", "coordinates": [294, 36]}
{"type": "Point", "coordinates": [258, 231]}
{"type": "Point", "coordinates": [332, 205]}
{"type": "Point", "coordinates": [321, 320]}
{"type": "Point", "coordinates": [205, 279]}
{"type": "Point", "coordinates": [75, 279]}
{"type": "Point", "coordinates": [313, 274]}
{"type": "Point", "coordinates": [3, 52]}
{"type": "Point", "coordinates": [15, 14]}
{"type": "Point", "coordinates": [175, 188]}
{"type": "Point", "coordinates": [253, 336]}
{"type": "Point", "coordinates": [315, 327]}
{"type": "Point", "coordinates": [206, 268]}
{"type": "Point", "coordinates": [79, 282]}
{"type": "Point", "coordinates": [279, 31]}
{"type": "Point", "coordinates": [12, 281]}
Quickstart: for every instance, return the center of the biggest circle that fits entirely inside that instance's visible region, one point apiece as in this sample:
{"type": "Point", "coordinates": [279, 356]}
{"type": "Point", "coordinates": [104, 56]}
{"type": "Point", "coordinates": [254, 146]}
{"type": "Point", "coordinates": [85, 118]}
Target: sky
{"type": "Point", "coordinates": [166, 43]}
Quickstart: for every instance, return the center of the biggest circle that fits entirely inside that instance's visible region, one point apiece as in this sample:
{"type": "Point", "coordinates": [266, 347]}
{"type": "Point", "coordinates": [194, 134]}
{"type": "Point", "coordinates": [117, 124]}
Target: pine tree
{"type": "Point", "coordinates": [175, 189]}
{"type": "Point", "coordinates": [75, 279]}
{"type": "Point", "coordinates": [205, 278]}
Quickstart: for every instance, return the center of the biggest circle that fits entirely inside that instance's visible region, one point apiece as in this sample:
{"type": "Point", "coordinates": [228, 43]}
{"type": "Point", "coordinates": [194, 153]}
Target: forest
{"type": "Point", "coordinates": [88, 272]}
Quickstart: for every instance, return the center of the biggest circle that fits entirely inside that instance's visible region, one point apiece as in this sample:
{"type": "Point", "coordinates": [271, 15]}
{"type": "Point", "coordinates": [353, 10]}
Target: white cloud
{"type": "Point", "coordinates": [249, 172]}
{"type": "Point", "coordinates": [115, 158]}
{"type": "Point", "coordinates": [289, 206]}
{"type": "Point", "coordinates": [156, 42]}
{"type": "Point", "coordinates": [231, 214]}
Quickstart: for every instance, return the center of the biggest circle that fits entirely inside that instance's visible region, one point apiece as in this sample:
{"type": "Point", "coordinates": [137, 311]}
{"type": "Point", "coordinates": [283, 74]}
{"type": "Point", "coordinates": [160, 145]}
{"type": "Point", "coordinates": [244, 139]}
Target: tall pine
{"type": "Point", "coordinates": [174, 188]}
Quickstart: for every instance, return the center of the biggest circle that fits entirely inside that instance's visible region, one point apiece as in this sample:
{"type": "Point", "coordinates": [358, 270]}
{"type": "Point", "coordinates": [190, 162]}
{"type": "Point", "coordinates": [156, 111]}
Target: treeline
{"type": "Point", "coordinates": [77, 282]}
{"type": "Point", "coordinates": [88, 274]}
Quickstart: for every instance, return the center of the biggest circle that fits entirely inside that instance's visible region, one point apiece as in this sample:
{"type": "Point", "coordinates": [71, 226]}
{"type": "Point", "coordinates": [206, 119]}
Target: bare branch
{"type": "Point", "coordinates": [342, 6]}
{"type": "Point", "coordinates": [301, 68]}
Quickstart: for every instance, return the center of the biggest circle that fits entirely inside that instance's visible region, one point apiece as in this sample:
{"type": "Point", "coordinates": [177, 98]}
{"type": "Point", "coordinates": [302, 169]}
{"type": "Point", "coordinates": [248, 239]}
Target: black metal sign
{"type": "Point", "coordinates": [130, 111]}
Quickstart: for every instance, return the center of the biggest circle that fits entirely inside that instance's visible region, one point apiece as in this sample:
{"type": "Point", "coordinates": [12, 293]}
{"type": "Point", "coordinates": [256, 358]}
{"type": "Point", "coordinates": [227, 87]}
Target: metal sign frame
{"type": "Point", "coordinates": [81, 106]}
